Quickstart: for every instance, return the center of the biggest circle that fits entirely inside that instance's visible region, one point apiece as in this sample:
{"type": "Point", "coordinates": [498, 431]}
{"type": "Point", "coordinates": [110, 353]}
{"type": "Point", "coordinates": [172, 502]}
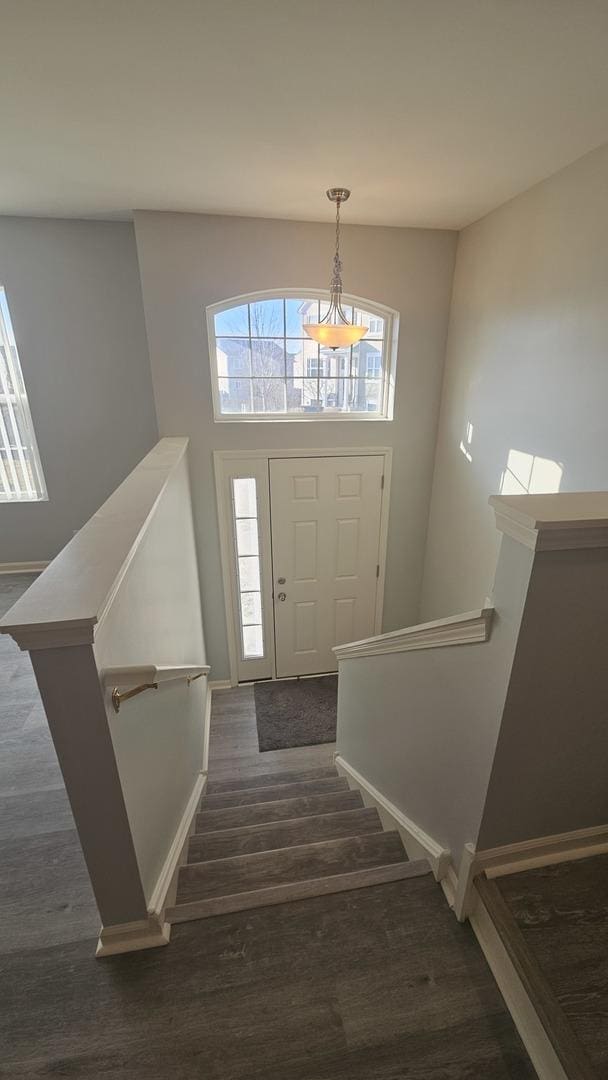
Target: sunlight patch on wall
{"type": "Point", "coordinates": [526, 474]}
{"type": "Point", "coordinates": [465, 444]}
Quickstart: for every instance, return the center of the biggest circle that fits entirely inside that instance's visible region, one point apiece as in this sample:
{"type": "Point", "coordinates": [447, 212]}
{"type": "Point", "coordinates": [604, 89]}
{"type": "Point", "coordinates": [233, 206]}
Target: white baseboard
{"type": "Point", "coordinates": [220, 684]}
{"type": "Point", "coordinates": [207, 728]}
{"type": "Point", "coordinates": [158, 899]}
{"type": "Point", "coordinates": [147, 933]}
{"type": "Point", "coordinates": [525, 855]}
{"type": "Point", "coordinates": [525, 1018]}
{"type": "Point", "coordinates": [22, 567]}
{"type": "Point", "coordinates": [449, 884]}
{"type": "Point", "coordinates": [417, 843]}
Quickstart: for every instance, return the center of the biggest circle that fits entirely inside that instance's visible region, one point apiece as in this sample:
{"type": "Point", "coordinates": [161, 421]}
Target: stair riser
{"type": "Point", "coordinates": [274, 794]}
{"type": "Point", "coordinates": [304, 862]}
{"type": "Point", "coordinates": [270, 837]}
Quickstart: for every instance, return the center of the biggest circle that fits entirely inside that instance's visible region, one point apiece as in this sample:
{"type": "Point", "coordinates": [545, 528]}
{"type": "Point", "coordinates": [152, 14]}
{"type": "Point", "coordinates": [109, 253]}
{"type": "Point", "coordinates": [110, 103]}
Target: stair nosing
{"type": "Point", "coordinates": [284, 779]}
{"type": "Point", "coordinates": [200, 909]}
{"type": "Point", "coordinates": [272, 787]}
{"type": "Point", "coordinates": [279, 822]}
{"type": "Point", "coordinates": [295, 847]}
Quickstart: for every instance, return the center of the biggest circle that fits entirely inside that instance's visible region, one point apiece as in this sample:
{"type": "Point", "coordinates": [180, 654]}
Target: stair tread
{"type": "Point", "coordinates": [299, 890]}
{"type": "Point", "coordinates": [245, 783]}
{"type": "Point", "coordinates": [261, 870]}
{"type": "Point", "coordinates": [278, 810]}
{"type": "Point", "coordinates": [275, 791]}
{"type": "Point", "coordinates": [271, 835]}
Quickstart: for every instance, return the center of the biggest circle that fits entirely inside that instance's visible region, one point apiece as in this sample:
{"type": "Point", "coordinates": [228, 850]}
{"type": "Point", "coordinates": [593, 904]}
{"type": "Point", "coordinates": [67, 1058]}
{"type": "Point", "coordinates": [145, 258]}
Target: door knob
{"type": "Point", "coordinates": [282, 596]}
{"type": "Point", "coordinates": [281, 581]}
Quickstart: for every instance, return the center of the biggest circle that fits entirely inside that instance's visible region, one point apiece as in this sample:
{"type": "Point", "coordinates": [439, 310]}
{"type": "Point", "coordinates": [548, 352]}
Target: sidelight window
{"type": "Point", "coordinates": [246, 532]}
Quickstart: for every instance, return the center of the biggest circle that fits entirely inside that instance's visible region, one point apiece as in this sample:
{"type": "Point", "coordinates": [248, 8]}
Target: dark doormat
{"type": "Point", "coordinates": [296, 712]}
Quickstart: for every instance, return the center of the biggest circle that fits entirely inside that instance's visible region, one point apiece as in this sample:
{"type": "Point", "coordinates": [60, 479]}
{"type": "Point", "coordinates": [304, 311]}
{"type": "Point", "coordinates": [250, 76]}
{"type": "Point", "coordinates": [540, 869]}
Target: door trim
{"type": "Point", "coordinates": [224, 457]}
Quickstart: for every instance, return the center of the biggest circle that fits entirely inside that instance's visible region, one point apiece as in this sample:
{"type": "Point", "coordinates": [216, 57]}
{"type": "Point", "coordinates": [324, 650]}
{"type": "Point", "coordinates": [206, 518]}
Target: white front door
{"type": "Point", "coordinates": [325, 555]}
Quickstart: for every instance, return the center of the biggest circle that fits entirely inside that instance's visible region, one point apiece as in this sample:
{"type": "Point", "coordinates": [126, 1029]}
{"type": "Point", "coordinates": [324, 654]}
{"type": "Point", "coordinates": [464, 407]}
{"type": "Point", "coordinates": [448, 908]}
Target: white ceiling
{"type": "Point", "coordinates": [432, 111]}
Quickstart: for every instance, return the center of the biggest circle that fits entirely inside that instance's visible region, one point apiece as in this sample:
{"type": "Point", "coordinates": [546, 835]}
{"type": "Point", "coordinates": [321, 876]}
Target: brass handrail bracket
{"type": "Point", "coordinates": [118, 697]}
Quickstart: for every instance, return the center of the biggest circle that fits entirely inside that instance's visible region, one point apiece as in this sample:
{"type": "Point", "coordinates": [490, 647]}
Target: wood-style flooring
{"type": "Point", "coordinates": [377, 984]}
{"type": "Point", "coordinates": [562, 913]}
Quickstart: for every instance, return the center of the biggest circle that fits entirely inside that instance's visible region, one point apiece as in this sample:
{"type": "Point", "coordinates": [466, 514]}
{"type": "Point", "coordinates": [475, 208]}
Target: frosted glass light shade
{"type": "Point", "coordinates": [335, 335]}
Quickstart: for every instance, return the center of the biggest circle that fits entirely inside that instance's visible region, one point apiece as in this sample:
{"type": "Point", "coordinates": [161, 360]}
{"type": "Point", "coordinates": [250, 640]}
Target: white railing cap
{"type": "Point", "coordinates": [575, 519]}
{"type": "Point", "coordinates": [71, 596]}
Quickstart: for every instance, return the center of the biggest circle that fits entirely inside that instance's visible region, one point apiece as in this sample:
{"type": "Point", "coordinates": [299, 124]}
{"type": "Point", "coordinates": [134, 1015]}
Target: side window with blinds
{"type": "Point", "coordinates": [21, 477]}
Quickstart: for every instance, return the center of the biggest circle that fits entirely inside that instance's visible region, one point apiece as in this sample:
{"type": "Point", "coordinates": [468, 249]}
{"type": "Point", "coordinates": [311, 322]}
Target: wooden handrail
{"type": "Point", "coordinates": [466, 629]}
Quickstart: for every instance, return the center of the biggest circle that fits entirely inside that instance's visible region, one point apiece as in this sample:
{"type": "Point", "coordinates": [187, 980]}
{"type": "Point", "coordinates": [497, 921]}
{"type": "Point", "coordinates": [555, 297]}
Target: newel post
{"type": "Point", "coordinates": [66, 673]}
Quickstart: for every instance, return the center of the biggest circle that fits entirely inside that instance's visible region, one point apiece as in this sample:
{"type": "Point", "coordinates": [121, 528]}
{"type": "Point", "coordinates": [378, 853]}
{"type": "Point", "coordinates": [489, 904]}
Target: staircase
{"type": "Point", "coordinates": [284, 836]}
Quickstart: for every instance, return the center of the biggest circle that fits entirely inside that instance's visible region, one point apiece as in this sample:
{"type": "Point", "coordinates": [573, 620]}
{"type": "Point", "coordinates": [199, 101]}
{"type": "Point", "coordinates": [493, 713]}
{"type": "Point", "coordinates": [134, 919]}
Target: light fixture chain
{"type": "Point", "coordinates": [336, 281]}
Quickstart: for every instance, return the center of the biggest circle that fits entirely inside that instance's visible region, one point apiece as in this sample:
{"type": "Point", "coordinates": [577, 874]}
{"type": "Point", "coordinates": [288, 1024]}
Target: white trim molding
{"type": "Point", "coordinates": [148, 933]}
{"type": "Point", "coordinates": [417, 843]}
{"type": "Point", "coordinates": [525, 1017]}
{"type": "Point", "coordinates": [554, 522]}
{"type": "Point", "coordinates": [466, 629]}
{"type": "Point", "coordinates": [525, 855]}
{"type": "Point", "coordinates": [23, 567]}
{"type": "Point", "coordinates": [158, 899]}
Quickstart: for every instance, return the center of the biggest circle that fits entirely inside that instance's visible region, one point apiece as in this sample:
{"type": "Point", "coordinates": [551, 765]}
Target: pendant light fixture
{"type": "Point", "coordinates": [335, 331]}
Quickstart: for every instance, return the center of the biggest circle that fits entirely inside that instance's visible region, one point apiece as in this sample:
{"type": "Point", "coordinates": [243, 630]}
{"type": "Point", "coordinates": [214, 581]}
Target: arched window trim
{"type": "Point", "coordinates": [371, 307]}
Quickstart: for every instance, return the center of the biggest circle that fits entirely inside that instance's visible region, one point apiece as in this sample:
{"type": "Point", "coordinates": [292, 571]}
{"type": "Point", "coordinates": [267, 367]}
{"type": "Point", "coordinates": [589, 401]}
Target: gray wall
{"type": "Point", "coordinates": [190, 261]}
{"type": "Point", "coordinates": [551, 763]}
{"type": "Point", "coordinates": [526, 366]}
{"type": "Point", "coordinates": [75, 299]}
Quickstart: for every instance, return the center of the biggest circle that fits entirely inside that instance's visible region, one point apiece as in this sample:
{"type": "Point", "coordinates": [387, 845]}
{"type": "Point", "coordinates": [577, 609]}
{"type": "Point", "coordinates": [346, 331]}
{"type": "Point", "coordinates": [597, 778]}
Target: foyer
{"type": "Point", "coordinates": [375, 982]}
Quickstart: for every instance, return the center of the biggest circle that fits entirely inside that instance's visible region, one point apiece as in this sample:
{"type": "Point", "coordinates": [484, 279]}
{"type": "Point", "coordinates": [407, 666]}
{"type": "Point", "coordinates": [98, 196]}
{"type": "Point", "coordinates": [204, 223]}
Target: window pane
{"type": "Point", "coordinates": [253, 642]}
{"type": "Point", "coordinates": [233, 321]}
{"type": "Point", "coordinates": [245, 504]}
{"type": "Point", "coordinates": [235, 395]}
{"type": "Point", "coordinates": [247, 536]}
{"type": "Point", "coordinates": [367, 359]}
{"type": "Point", "coordinates": [233, 357]}
{"type": "Point", "coordinates": [268, 358]}
{"type": "Point", "coordinates": [267, 318]}
{"type": "Point", "coordinates": [249, 573]}
{"type": "Point", "coordinates": [328, 393]}
{"type": "Point", "coordinates": [299, 312]}
{"type": "Point", "coordinates": [251, 608]}
{"type": "Point", "coordinates": [268, 395]}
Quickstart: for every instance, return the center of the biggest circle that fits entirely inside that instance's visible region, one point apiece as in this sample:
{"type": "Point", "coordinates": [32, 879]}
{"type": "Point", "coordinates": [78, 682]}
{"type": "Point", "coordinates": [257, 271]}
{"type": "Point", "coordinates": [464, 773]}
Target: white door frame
{"type": "Point", "coordinates": [221, 458]}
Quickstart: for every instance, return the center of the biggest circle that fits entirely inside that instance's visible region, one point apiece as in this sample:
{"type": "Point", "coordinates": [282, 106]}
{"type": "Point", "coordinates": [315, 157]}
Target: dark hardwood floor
{"type": "Point", "coordinates": [380, 983]}
{"type": "Point", "coordinates": [562, 912]}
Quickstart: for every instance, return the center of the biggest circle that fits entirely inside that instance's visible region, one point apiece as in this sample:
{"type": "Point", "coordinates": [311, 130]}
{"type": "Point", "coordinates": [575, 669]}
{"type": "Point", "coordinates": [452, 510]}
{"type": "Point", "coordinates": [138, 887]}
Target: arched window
{"type": "Point", "coordinates": [265, 367]}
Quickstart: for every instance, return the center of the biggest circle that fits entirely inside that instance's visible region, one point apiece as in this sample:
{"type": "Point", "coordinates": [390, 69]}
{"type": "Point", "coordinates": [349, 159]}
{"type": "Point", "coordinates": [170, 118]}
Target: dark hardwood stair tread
{"type": "Point", "coordinates": [231, 817]}
{"type": "Point", "coordinates": [298, 890]}
{"type": "Point", "coordinates": [295, 790]}
{"type": "Point", "coordinates": [272, 835]}
{"type": "Point", "coordinates": [246, 873]}
{"type": "Point", "coordinates": [245, 783]}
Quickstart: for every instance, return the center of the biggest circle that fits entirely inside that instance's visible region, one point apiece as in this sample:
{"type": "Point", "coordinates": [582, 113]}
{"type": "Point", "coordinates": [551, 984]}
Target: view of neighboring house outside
{"type": "Point", "coordinates": [267, 364]}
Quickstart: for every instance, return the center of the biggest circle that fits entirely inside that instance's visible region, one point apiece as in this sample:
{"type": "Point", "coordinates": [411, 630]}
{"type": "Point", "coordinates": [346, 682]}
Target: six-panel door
{"type": "Point", "coordinates": [325, 541]}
